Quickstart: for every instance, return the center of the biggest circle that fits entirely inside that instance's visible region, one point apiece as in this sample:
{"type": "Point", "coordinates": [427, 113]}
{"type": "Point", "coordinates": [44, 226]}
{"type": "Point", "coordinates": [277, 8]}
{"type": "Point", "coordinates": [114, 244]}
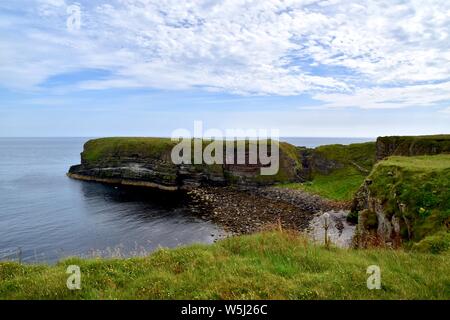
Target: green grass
{"type": "Point", "coordinates": [104, 148]}
{"type": "Point", "coordinates": [340, 185]}
{"type": "Point", "coordinates": [436, 243]}
{"type": "Point", "coordinates": [420, 163]}
{"type": "Point", "coordinates": [271, 265]}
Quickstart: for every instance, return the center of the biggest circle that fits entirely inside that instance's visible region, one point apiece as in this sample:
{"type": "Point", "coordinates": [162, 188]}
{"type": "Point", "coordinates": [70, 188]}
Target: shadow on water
{"type": "Point", "coordinates": [150, 200]}
{"type": "Point", "coordinates": [92, 219]}
{"type": "Point", "coordinates": [139, 220]}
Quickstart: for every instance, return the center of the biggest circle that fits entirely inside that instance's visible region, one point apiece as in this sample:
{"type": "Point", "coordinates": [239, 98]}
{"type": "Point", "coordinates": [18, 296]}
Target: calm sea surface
{"type": "Point", "coordinates": [45, 216]}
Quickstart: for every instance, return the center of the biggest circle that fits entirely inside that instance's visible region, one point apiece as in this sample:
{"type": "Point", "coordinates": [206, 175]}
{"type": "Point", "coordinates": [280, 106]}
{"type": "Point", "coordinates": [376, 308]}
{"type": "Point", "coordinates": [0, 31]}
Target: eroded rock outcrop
{"type": "Point", "coordinates": [403, 199]}
{"type": "Point", "coordinates": [147, 162]}
{"type": "Point", "coordinates": [374, 225]}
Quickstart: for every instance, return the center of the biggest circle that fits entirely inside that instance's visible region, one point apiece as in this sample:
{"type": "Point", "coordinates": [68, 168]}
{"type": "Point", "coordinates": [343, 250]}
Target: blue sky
{"type": "Point", "coordinates": [144, 67]}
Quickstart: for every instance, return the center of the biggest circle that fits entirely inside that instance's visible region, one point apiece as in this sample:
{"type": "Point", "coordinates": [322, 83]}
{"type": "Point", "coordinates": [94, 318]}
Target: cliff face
{"type": "Point", "coordinates": [404, 199]}
{"type": "Point", "coordinates": [412, 146]}
{"type": "Point", "coordinates": [147, 162]}
{"type": "Point", "coordinates": [406, 195]}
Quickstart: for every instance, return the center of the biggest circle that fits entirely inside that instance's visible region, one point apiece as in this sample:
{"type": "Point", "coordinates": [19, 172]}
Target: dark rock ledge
{"type": "Point", "coordinates": [240, 212]}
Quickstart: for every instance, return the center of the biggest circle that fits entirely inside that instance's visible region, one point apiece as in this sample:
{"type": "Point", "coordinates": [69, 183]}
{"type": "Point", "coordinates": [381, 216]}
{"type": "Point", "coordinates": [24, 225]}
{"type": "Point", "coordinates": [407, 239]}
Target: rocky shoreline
{"type": "Point", "coordinates": [303, 200]}
{"type": "Point", "coordinates": [247, 210]}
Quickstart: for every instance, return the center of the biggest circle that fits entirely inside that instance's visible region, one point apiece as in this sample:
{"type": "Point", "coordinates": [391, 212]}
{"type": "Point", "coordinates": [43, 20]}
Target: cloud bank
{"type": "Point", "coordinates": [365, 54]}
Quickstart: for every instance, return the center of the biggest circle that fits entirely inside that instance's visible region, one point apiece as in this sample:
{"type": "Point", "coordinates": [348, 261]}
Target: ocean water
{"type": "Point", "coordinates": [45, 216]}
{"type": "Point", "coordinates": [315, 141]}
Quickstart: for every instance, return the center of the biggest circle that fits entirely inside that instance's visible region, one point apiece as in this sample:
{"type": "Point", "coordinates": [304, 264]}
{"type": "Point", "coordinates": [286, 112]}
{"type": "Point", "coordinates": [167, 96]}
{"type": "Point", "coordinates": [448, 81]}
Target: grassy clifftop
{"type": "Point", "coordinates": [150, 147]}
{"type": "Point", "coordinates": [112, 159]}
{"type": "Point", "coordinates": [274, 265]}
{"type": "Point", "coordinates": [104, 148]}
{"type": "Point", "coordinates": [420, 163]}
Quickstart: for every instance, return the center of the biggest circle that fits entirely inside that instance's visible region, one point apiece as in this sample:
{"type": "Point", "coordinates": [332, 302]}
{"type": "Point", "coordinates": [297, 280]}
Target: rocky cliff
{"type": "Point", "coordinates": [404, 199]}
{"type": "Point", "coordinates": [147, 162]}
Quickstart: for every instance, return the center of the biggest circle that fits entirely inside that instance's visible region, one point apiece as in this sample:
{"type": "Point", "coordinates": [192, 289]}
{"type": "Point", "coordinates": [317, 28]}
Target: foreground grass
{"type": "Point", "coordinates": [340, 185]}
{"type": "Point", "coordinates": [270, 265]}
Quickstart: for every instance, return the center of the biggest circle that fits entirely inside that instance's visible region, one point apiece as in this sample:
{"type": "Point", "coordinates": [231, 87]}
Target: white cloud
{"type": "Point", "coordinates": [367, 54]}
{"type": "Point", "coordinates": [389, 98]}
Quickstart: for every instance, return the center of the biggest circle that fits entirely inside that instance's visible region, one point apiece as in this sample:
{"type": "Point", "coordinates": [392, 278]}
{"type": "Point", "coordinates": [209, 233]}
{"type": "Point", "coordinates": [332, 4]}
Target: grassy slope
{"type": "Point", "coordinates": [340, 184]}
{"type": "Point", "coordinates": [420, 163]}
{"type": "Point", "coordinates": [269, 266]}
{"type": "Point", "coordinates": [422, 184]}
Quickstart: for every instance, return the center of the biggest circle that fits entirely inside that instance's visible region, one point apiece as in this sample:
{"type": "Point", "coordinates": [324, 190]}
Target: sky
{"type": "Point", "coordinates": [310, 68]}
